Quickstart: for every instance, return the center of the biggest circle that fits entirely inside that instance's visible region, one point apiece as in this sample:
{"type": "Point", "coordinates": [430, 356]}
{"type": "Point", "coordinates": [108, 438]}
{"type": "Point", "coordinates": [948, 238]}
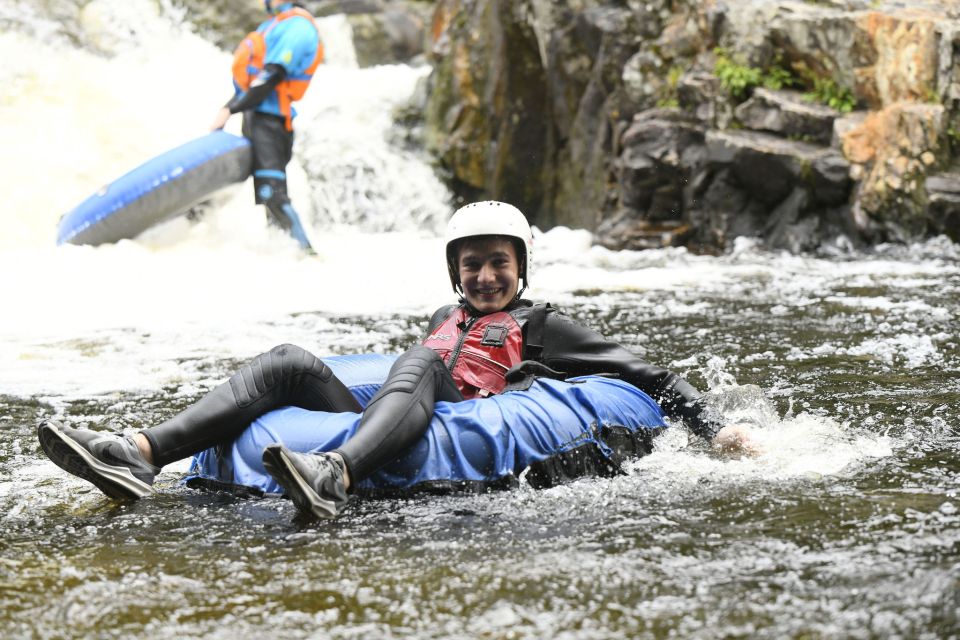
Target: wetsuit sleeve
{"type": "Point", "coordinates": [577, 350]}
{"type": "Point", "coordinates": [260, 88]}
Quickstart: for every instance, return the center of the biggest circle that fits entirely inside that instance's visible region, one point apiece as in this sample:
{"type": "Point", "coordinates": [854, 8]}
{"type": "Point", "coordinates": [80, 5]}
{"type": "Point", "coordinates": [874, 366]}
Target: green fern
{"type": "Point", "coordinates": [735, 78]}
{"type": "Point", "coordinates": [828, 92]}
{"type": "Point", "coordinates": [777, 77]}
{"type": "Point", "coordinates": [739, 79]}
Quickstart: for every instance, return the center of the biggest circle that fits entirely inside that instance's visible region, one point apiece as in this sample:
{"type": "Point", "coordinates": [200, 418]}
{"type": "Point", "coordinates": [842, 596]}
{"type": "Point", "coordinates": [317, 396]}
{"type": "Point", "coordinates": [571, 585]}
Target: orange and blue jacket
{"type": "Point", "coordinates": [289, 40]}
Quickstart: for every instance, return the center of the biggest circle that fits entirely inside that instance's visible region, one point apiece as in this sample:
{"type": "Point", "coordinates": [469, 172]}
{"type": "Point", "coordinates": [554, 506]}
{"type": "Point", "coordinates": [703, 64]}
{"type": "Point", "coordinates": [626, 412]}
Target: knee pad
{"type": "Point", "coordinates": [411, 368]}
{"type": "Point", "coordinates": [270, 187]}
{"type": "Point", "coordinates": [283, 364]}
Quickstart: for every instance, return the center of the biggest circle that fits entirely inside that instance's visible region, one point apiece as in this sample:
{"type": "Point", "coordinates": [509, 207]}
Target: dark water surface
{"type": "Point", "coordinates": [848, 526]}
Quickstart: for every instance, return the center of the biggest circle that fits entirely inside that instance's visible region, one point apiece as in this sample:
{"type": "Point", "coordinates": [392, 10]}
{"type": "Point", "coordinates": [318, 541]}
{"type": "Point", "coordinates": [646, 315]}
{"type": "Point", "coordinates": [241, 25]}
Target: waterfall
{"type": "Point", "coordinates": [109, 84]}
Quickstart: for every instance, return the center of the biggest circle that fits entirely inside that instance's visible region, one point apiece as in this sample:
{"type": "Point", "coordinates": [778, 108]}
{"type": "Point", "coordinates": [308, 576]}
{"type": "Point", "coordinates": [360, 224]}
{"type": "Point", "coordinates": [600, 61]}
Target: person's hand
{"type": "Point", "coordinates": [736, 439]}
{"type": "Point", "coordinates": [222, 116]}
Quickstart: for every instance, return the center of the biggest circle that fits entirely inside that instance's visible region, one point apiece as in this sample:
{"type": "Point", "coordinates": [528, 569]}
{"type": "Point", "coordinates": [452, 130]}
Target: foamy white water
{"type": "Point", "coordinates": [87, 321]}
{"type": "Point", "coordinates": [842, 527]}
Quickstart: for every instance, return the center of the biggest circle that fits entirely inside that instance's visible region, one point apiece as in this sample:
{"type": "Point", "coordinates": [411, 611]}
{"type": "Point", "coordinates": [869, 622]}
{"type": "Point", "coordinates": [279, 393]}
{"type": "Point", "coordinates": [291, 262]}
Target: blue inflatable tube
{"type": "Point", "coordinates": [554, 431]}
{"type": "Point", "coordinates": [158, 190]}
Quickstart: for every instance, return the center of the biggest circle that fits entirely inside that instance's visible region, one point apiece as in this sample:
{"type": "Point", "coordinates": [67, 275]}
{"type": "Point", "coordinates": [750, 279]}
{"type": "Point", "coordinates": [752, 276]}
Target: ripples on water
{"type": "Point", "coordinates": [845, 527]}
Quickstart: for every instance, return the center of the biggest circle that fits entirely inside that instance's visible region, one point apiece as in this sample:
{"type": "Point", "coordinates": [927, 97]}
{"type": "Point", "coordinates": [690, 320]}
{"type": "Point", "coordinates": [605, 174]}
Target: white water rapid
{"type": "Point", "coordinates": [81, 321]}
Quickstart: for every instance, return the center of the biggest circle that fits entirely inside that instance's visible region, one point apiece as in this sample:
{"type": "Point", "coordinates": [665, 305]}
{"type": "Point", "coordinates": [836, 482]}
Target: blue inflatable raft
{"type": "Point", "coordinates": [158, 190]}
{"type": "Point", "coordinates": [553, 432]}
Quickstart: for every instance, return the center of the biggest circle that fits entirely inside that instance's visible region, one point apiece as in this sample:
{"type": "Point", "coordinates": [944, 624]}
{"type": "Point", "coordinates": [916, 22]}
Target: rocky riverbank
{"type": "Point", "coordinates": [678, 122]}
{"type": "Point", "coordinates": [673, 122]}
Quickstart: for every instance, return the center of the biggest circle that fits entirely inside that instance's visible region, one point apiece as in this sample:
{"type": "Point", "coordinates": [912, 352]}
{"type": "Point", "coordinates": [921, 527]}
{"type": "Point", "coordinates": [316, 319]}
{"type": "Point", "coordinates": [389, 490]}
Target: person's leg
{"type": "Point", "coordinates": [396, 417]}
{"type": "Point", "coordinates": [286, 375]}
{"type": "Point", "coordinates": [272, 150]}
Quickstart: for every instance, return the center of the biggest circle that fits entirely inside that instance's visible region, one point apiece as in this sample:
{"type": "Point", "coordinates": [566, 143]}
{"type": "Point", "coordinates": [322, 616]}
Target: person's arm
{"type": "Point", "coordinates": [260, 88]}
{"type": "Point", "coordinates": [294, 48]}
{"type": "Point", "coordinates": [577, 350]}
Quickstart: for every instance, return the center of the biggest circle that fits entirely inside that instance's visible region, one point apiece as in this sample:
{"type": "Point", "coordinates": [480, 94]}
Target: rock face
{"type": "Point", "coordinates": [943, 191]}
{"type": "Point", "coordinates": [693, 122]}
{"type": "Point", "coordinates": [384, 32]}
{"type": "Point", "coordinates": [786, 114]}
{"type": "Point", "coordinates": [223, 22]}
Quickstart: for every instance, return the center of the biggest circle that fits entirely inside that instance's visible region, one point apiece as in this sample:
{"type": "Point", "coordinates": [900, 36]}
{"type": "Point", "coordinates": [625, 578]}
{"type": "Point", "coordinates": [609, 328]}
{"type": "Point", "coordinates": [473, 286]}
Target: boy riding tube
{"type": "Point", "coordinates": [491, 341]}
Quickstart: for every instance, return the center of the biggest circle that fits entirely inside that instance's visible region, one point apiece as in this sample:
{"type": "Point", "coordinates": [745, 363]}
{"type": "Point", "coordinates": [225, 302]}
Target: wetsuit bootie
{"type": "Point", "coordinates": [113, 463]}
{"type": "Point", "coordinates": [314, 481]}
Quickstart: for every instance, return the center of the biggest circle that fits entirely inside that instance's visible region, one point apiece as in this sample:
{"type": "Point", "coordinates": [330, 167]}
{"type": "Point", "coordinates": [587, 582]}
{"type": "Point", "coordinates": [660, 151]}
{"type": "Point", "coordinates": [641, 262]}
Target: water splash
{"type": "Point", "coordinates": [791, 447]}
{"type": "Point", "coordinates": [357, 176]}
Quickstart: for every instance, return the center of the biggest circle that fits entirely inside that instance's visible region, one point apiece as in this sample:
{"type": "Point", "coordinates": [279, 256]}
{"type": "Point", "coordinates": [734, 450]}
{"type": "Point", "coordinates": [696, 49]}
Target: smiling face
{"type": "Point", "coordinates": [489, 272]}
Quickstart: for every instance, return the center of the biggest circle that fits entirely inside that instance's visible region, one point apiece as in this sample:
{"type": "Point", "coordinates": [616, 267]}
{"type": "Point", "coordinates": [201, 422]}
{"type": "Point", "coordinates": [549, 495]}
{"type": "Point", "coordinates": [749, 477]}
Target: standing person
{"type": "Point", "coordinates": [488, 256]}
{"type": "Point", "coordinates": [272, 68]}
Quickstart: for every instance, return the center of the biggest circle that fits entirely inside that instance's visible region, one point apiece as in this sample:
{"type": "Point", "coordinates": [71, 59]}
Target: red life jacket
{"type": "Point", "coordinates": [248, 63]}
{"type": "Point", "coordinates": [478, 351]}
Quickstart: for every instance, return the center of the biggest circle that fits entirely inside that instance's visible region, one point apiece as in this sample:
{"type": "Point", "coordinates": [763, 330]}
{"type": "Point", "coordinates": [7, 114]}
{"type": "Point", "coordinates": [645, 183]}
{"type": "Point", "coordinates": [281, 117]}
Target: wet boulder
{"type": "Point", "coordinates": [392, 36]}
{"type": "Point", "coordinates": [943, 197]}
{"type": "Point", "coordinates": [891, 151]}
{"type": "Point", "coordinates": [700, 94]}
{"type": "Point", "coordinates": [537, 103]}
{"type": "Point", "coordinates": [585, 121]}
{"type": "Point", "coordinates": [761, 185]}
{"type": "Point", "coordinates": [524, 102]}
{"type": "Point", "coordinates": [788, 114]}
{"type": "Point", "coordinates": [659, 151]}
{"type": "Point", "coordinates": [323, 8]}
{"type": "Point", "coordinates": [383, 32]}
{"type": "Point", "coordinates": [769, 167]}
{"type": "Point", "coordinates": [223, 22]}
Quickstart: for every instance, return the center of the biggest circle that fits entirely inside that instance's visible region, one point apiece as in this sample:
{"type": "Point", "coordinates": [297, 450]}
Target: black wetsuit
{"type": "Point", "coordinates": [397, 416]}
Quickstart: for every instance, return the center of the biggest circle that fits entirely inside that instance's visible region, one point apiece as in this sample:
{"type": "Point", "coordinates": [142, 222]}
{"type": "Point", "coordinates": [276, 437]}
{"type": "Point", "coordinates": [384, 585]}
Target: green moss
{"type": "Point", "coordinates": [953, 140]}
{"type": "Point", "coordinates": [828, 92]}
{"type": "Point", "coordinates": [668, 93]}
{"type": "Point", "coordinates": [778, 78]}
{"type": "Point", "coordinates": [738, 78]}
{"type": "Point", "coordinates": [673, 76]}
{"type": "Point", "coordinates": [824, 89]}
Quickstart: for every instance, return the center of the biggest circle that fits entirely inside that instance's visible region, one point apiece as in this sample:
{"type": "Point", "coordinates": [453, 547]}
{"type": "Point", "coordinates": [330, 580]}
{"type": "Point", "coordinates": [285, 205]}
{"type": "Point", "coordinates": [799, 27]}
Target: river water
{"type": "Point", "coordinates": [846, 526]}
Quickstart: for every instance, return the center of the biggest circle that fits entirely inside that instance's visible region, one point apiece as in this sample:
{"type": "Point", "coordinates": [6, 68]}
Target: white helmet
{"type": "Point", "coordinates": [489, 218]}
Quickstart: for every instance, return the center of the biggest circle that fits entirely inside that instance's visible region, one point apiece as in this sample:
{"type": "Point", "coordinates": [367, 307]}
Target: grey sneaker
{"type": "Point", "coordinates": [113, 463]}
{"type": "Point", "coordinates": [314, 481]}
